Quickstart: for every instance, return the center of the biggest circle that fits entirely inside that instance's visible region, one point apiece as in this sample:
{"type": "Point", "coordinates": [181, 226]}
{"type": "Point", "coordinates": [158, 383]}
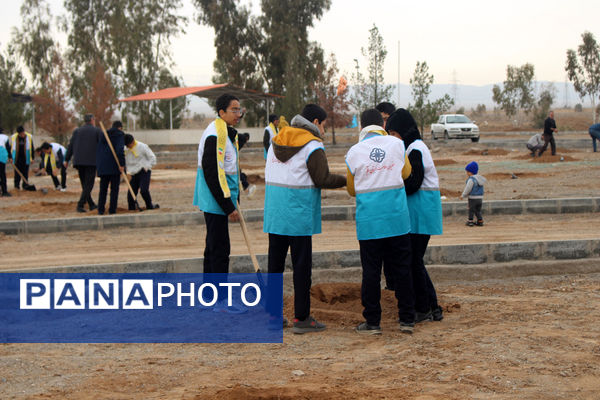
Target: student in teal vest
{"type": "Point", "coordinates": [22, 154]}
{"type": "Point", "coordinates": [376, 166]}
{"type": "Point", "coordinates": [295, 172]}
{"type": "Point", "coordinates": [425, 208]}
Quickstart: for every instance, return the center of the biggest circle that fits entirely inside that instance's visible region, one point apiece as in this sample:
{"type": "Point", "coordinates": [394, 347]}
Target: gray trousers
{"type": "Point", "coordinates": [475, 208]}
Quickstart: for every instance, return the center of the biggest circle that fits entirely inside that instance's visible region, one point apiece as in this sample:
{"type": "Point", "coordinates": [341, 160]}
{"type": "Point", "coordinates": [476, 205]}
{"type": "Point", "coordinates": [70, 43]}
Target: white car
{"type": "Point", "coordinates": [455, 126]}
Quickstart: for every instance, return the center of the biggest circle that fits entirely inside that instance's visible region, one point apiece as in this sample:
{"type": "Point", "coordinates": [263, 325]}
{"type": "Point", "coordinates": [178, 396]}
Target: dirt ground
{"type": "Point", "coordinates": [534, 338]}
{"type": "Point", "coordinates": [511, 174]}
{"type": "Point", "coordinates": [171, 242]}
{"type": "Point", "coordinates": [526, 338]}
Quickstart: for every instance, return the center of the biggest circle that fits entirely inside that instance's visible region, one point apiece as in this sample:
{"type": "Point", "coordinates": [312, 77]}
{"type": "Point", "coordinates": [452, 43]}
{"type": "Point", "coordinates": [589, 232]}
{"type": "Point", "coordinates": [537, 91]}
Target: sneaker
{"type": "Point", "coordinates": [407, 327]}
{"type": "Point", "coordinates": [437, 314]}
{"type": "Point", "coordinates": [423, 317]}
{"type": "Point", "coordinates": [222, 307]}
{"type": "Point", "coordinates": [308, 325]}
{"type": "Point", "coordinates": [366, 329]}
{"type": "Point", "coordinates": [57, 187]}
{"type": "Point", "coordinates": [63, 189]}
{"type": "Point", "coordinates": [251, 190]}
{"type": "Point", "coordinates": [479, 222]}
{"type": "Point", "coordinates": [470, 223]}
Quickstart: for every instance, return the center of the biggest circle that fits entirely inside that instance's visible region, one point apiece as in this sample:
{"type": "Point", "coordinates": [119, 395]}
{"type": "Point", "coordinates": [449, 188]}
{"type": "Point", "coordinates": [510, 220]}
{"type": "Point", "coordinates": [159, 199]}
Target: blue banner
{"type": "Point", "coordinates": [141, 308]}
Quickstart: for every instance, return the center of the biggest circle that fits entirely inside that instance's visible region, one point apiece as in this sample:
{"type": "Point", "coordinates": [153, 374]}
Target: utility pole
{"type": "Point", "coordinates": [398, 75]}
{"type": "Point", "coordinates": [454, 87]}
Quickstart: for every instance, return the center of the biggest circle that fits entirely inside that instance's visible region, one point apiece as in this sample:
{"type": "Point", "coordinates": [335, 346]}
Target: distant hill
{"type": "Point", "coordinates": [468, 96]}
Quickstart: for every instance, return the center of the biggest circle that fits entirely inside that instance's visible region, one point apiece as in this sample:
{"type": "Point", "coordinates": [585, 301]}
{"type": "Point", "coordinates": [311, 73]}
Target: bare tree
{"type": "Point", "coordinates": [584, 71]}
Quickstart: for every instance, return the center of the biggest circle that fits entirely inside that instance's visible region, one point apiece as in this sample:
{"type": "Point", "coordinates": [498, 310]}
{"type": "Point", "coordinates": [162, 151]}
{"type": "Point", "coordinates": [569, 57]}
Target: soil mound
{"type": "Point", "coordinates": [444, 161]}
{"type": "Point", "coordinates": [549, 158]}
{"type": "Point", "coordinates": [509, 175]}
{"type": "Point", "coordinates": [450, 193]}
{"type": "Point", "coordinates": [340, 304]}
{"type": "Point", "coordinates": [486, 152]}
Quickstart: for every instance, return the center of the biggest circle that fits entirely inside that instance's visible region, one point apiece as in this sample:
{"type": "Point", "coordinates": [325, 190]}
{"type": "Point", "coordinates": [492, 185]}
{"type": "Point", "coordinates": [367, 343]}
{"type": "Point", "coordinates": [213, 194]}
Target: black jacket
{"type": "Point", "coordinates": [549, 124]}
{"type": "Point", "coordinates": [211, 173]}
{"type": "Point", "coordinates": [105, 160]}
{"type": "Point", "coordinates": [83, 144]}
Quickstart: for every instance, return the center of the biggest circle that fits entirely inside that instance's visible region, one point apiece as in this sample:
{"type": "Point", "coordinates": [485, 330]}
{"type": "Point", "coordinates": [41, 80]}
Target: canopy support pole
{"type": "Point", "coordinates": [171, 114]}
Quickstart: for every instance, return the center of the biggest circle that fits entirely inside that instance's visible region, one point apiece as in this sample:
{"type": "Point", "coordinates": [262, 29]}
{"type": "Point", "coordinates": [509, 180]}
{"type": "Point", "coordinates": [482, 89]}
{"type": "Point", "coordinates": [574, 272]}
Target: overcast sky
{"type": "Point", "coordinates": [469, 42]}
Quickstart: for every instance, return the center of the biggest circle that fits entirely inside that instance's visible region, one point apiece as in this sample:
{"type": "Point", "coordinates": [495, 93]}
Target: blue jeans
{"type": "Point", "coordinates": [595, 134]}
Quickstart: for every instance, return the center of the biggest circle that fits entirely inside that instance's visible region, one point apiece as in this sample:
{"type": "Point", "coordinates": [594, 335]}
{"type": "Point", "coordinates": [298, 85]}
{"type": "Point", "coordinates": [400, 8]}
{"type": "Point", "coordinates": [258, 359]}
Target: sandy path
{"type": "Point", "coordinates": [534, 338]}
{"type": "Point", "coordinates": [125, 244]}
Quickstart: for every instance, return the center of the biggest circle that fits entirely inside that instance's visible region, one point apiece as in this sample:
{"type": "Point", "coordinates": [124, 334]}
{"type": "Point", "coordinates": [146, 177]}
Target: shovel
{"type": "Point", "coordinates": [261, 283]}
{"type": "Point", "coordinates": [112, 149]}
{"type": "Point", "coordinates": [26, 184]}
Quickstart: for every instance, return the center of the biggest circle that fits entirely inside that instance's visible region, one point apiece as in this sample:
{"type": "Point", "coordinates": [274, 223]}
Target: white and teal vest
{"type": "Point", "coordinates": [292, 201]}
{"type": "Point", "coordinates": [272, 135]}
{"type": "Point", "coordinates": [3, 152]}
{"type": "Point", "coordinates": [55, 148]}
{"type": "Point", "coordinates": [376, 163]}
{"type": "Point", "coordinates": [425, 205]}
{"type": "Point", "coordinates": [203, 198]}
{"type": "Point", "coordinates": [28, 148]}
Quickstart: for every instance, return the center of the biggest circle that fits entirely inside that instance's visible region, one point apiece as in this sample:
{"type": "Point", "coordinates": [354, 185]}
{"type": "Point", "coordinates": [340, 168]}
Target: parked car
{"type": "Point", "coordinates": [455, 126]}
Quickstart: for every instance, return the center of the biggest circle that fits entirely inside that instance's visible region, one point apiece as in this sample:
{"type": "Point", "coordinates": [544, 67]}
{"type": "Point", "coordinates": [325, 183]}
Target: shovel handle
{"type": "Point", "coordinates": [247, 239]}
{"type": "Point", "coordinates": [20, 174]}
{"type": "Point", "coordinates": [112, 149]}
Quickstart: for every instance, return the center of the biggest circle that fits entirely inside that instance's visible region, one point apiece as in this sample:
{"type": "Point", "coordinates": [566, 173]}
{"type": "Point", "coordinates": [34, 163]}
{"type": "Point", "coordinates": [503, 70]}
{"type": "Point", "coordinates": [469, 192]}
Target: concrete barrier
{"type": "Point", "coordinates": [464, 255]}
{"type": "Point", "coordinates": [329, 213]}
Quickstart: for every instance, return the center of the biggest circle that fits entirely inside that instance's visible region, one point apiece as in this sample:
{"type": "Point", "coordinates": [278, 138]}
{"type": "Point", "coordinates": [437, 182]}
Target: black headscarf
{"type": "Point", "coordinates": [402, 122]}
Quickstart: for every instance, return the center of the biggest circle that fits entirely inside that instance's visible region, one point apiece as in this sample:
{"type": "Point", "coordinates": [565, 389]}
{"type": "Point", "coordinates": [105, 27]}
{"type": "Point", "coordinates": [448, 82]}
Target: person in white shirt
{"type": "Point", "coordinates": [139, 160]}
{"type": "Point", "coordinates": [535, 144]}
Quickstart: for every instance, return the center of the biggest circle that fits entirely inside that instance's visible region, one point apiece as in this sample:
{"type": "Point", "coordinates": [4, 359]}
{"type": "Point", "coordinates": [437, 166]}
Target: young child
{"type": "Point", "coordinates": [474, 192]}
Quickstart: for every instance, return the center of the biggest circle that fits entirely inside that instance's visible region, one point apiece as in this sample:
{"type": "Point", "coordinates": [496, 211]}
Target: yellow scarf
{"type": "Point", "coordinates": [221, 147]}
{"type": "Point", "coordinates": [273, 129]}
{"type": "Point", "coordinates": [52, 160]}
{"type": "Point", "coordinates": [132, 149]}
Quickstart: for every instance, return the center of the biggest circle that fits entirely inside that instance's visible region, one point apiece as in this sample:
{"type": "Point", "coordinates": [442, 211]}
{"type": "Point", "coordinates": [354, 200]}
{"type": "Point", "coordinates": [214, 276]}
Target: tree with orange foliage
{"type": "Point", "coordinates": [332, 94]}
{"type": "Point", "coordinates": [52, 102]}
{"type": "Point", "coordinates": [98, 96]}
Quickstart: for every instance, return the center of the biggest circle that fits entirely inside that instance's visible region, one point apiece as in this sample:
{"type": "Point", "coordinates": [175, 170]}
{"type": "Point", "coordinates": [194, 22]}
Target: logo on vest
{"type": "Point", "coordinates": [377, 155]}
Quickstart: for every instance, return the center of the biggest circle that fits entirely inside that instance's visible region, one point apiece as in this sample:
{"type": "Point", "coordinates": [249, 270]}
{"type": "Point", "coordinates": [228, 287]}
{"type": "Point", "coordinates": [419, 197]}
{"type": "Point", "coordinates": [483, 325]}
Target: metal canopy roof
{"type": "Point", "coordinates": [210, 92]}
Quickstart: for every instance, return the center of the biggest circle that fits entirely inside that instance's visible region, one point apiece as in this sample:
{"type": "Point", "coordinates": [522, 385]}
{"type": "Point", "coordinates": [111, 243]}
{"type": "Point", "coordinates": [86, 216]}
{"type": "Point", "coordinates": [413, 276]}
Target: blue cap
{"type": "Point", "coordinates": [472, 167]}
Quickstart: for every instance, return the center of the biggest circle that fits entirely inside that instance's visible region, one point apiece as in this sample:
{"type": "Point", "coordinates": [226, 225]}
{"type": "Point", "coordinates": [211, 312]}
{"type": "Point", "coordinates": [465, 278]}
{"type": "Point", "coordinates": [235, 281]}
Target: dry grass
{"type": "Point", "coordinates": [566, 120]}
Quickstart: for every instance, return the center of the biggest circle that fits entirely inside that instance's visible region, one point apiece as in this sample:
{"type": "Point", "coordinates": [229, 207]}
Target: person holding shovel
{"type": "Point", "coordinates": [52, 160]}
{"type": "Point", "coordinates": [108, 169]}
{"type": "Point", "coordinates": [139, 160]}
{"type": "Point", "coordinates": [22, 155]}
{"type": "Point", "coordinates": [218, 187]}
